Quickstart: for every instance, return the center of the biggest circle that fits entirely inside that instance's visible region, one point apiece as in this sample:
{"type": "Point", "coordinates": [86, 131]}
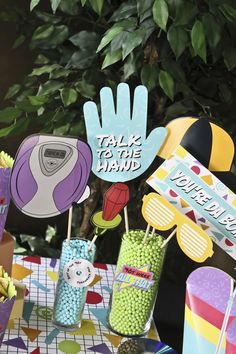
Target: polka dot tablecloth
{"type": "Point", "coordinates": [35, 334]}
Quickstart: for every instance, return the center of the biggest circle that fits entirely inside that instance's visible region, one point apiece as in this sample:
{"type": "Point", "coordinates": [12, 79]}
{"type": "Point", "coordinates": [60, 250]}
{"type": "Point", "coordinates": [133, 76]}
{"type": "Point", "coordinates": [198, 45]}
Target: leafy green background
{"type": "Point", "coordinates": [184, 51]}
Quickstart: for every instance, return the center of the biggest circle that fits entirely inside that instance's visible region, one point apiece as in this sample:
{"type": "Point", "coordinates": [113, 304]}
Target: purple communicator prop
{"type": "Point", "coordinates": [5, 311]}
{"type": "Point", "coordinates": [5, 174]}
{"type": "Point", "coordinates": [50, 173]}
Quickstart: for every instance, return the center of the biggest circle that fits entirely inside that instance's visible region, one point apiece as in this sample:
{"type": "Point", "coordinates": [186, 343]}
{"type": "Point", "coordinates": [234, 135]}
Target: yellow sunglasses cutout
{"type": "Point", "coordinates": [162, 215]}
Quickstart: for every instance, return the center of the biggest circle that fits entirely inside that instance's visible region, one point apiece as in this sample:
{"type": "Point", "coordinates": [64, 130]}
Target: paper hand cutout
{"type": "Point", "coordinates": [121, 149]}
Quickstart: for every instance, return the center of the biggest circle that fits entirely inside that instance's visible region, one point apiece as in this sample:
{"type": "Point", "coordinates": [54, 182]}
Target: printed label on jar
{"type": "Point", "coordinates": [79, 273]}
{"type": "Point", "coordinates": [139, 278]}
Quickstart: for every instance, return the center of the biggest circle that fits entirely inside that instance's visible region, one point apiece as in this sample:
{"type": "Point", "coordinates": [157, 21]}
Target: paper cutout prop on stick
{"type": "Point", "coordinates": [50, 173]}
{"type": "Point", "coordinates": [115, 199]}
{"type": "Point", "coordinates": [121, 149]}
{"type": "Point", "coordinates": [207, 142]}
{"type": "Point", "coordinates": [201, 196]}
{"type": "Point", "coordinates": [6, 163]}
{"type": "Point", "coordinates": [210, 313]}
{"type": "Point", "coordinates": [162, 215]}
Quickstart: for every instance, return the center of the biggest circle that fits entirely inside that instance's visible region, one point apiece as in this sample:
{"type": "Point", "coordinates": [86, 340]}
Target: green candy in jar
{"type": "Point", "coordinates": [135, 284]}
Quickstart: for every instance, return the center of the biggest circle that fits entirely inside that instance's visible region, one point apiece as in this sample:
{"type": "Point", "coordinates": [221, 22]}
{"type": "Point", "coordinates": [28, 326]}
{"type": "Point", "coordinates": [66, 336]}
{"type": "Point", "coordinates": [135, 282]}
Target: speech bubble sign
{"type": "Point", "coordinates": [121, 148]}
{"type": "Point", "coordinates": [201, 196]}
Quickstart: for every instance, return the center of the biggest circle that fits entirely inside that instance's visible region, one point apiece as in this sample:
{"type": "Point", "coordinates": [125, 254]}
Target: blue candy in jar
{"type": "Point", "coordinates": [76, 272]}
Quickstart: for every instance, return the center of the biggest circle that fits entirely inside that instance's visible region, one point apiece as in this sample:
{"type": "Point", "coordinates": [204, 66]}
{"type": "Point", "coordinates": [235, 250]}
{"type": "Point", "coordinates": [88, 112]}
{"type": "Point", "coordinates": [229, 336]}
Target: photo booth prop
{"type": "Point", "coordinates": [207, 142]}
{"type": "Point", "coordinates": [55, 171]}
{"type": "Point", "coordinates": [6, 252]}
{"type": "Point", "coordinates": [121, 148]}
{"type": "Point", "coordinates": [200, 195]}
{"type": "Point", "coordinates": [210, 313]}
{"type": "Point", "coordinates": [162, 215]}
{"type": "Point", "coordinates": [4, 198]}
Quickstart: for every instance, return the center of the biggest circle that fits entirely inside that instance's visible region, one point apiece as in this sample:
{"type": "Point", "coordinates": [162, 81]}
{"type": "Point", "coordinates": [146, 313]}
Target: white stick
{"type": "Point", "coordinates": [169, 238]}
{"type": "Point", "coordinates": [126, 219]}
{"type": "Point", "coordinates": [69, 224]}
{"type": "Point", "coordinates": [153, 231]}
{"type": "Point", "coordinates": [146, 233]}
{"type": "Point", "coordinates": [92, 242]}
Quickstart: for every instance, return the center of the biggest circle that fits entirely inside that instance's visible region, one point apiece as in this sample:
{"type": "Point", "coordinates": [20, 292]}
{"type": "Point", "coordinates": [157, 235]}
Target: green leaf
{"type": "Point", "coordinates": [60, 72]}
{"type": "Point", "coordinates": [143, 6]}
{"type": "Point", "coordinates": [7, 115]}
{"type": "Point", "coordinates": [111, 58]}
{"type": "Point", "coordinates": [19, 40]}
{"type": "Point", "coordinates": [149, 76]}
{"type": "Point", "coordinates": [33, 4]}
{"type": "Point", "coordinates": [97, 5]}
{"type": "Point", "coordinates": [48, 17]}
{"type": "Point", "coordinates": [77, 129]}
{"type": "Point", "coordinates": [69, 7]}
{"type": "Point", "coordinates": [54, 5]}
{"type": "Point", "coordinates": [118, 41]}
{"type": "Point", "coordinates": [225, 92]}
{"type": "Point", "coordinates": [49, 87]}
{"type": "Point", "coordinates": [176, 109]}
{"type": "Point", "coordinates": [229, 55]}
{"type": "Point", "coordinates": [16, 128]}
{"type": "Point", "coordinates": [129, 67]}
{"type": "Point", "coordinates": [42, 32]}
{"type": "Point", "coordinates": [178, 39]}
{"type": "Point", "coordinates": [160, 13]}
{"type": "Point", "coordinates": [83, 2]}
{"type": "Point", "coordinates": [12, 91]}
{"type": "Point", "coordinates": [59, 35]}
{"type": "Point", "coordinates": [185, 12]}
{"type": "Point", "coordinates": [113, 32]}
{"type": "Point", "coordinates": [81, 60]}
{"type": "Point", "coordinates": [85, 40]}
{"type": "Point", "coordinates": [85, 89]}
{"type": "Point", "coordinates": [26, 106]}
{"type": "Point", "coordinates": [212, 29]}
{"type": "Point", "coordinates": [62, 130]}
{"type": "Point", "coordinates": [68, 96]}
{"type": "Point", "coordinates": [167, 83]}
{"type": "Point", "coordinates": [126, 9]}
{"type": "Point", "coordinates": [133, 40]}
{"type": "Point", "coordinates": [46, 69]}
{"type": "Point", "coordinates": [198, 40]}
{"type": "Point", "coordinates": [37, 100]}
{"type": "Point", "coordinates": [229, 12]}
{"type": "Point", "coordinates": [41, 59]}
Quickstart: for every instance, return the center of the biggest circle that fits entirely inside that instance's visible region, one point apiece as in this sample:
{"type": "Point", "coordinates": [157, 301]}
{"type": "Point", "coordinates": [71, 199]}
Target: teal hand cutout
{"type": "Point", "coordinates": [121, 149]}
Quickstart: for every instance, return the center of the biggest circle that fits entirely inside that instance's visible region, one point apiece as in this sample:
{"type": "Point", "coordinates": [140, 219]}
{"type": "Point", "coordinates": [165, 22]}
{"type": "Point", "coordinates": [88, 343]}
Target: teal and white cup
{"type": "Point", "coordinates": [76, 272]}
{"type": "Point", "coordinates": [136, 283]}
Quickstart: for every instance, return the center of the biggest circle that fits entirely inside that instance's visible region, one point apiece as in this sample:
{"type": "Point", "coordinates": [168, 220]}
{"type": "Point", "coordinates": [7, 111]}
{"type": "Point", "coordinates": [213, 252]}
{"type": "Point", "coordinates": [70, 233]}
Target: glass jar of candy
{"type": "Point", "coordinates": [76, 272]}
{"type": "Point", "coordinates": [135, 283]}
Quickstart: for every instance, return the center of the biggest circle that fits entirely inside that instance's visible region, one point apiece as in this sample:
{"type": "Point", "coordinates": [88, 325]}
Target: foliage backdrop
{"type": "Point", "coordinates": [184, 51]}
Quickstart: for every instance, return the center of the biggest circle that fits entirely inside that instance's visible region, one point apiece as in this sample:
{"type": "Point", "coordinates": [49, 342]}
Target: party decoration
{"type": "Point", "coordinates": [182, 174]}
{"type": "Point", "coordinates": [18, 307]}
{"type": "Point", "coordinates": [53, 262]}
{"type": "Point", "coordinates": [51, 336]}
{"type": "Point", "coordinates": [5, 173]}
{"type": "Point", "coordinates": [113, 339]}
{"type": "Point", "coordinates": [143, 345]}
{"type": "Point", "coordinates": [121, 149]}
{"type": "Point", "coordinates": [19, 272]}
{"type": "Point", "coordinates": [7, 298]}
{"type": "Point", "coordinates": [93, 298]}
{"type": "Point", "coordinates": [100, 314]}
{"type": "Point", "coordinates": [31, 333]}
{"type": "Point", "coordinates": [40, 286]}
{"type": "Point", "coordinates": [210, 313]}
{"type": "Point", "coordinates": [162, 215]}
{"type": "Point", "coordinates": [16, 343]}
{"type": "Point", "coordinates": [28, 308]}
{"type": "Point", "coordinates": [87, 329]}
{"type": "Point", "coordinates": [115, 199]}
{"type": "Point", "coordinates": [53, 276]}
{"type": "Point", "coordinates": [102, 266]}
{"type": "Point", "coordinates": [100, 348]}
{"type": "Point", "coordinates": [36, 351]}
{"type": "Point", "coordinates": [44, 312]}
{"type": "Point", "coordinates": [55, 171]}
{"type": "Point", "coordinates": [32, 259]}
{"type": "Point", "coordinates": [96, 280]}
{"type": "Point", "coordinates": [69, 347]}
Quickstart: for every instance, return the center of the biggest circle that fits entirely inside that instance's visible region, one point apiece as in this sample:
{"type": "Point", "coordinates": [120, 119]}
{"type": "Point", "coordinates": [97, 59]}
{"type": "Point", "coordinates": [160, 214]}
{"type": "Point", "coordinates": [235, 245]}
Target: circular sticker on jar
{"type": "Point", "coordinates": [79, 273]}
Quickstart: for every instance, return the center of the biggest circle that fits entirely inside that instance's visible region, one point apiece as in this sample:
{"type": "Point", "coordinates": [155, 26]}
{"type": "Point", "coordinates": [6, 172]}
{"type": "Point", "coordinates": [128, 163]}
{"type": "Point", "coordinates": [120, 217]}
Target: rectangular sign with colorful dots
{"type": "Point", "coordinates": [197, 193]}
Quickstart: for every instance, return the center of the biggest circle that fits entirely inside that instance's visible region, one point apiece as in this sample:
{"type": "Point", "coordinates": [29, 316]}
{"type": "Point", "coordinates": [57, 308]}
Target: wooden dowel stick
{"type": "Point", "coordinates": [169, 238]}
{"type": "Point", "coordinates": [70, 214]}
{"type": "Point", "coordinates": [92, 242]}
{"type": "Point", "coordinates": [126, 219]}
{"type": "Point", "coordinates": [153, 231]}
{"type": "Point", "coordinates": [146, 233]}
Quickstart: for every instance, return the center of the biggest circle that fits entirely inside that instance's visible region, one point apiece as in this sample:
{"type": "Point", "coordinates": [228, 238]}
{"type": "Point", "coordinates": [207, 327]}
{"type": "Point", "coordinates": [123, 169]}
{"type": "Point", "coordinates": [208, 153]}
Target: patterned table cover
{"type": "Point", "coordinates": [35, 334]}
